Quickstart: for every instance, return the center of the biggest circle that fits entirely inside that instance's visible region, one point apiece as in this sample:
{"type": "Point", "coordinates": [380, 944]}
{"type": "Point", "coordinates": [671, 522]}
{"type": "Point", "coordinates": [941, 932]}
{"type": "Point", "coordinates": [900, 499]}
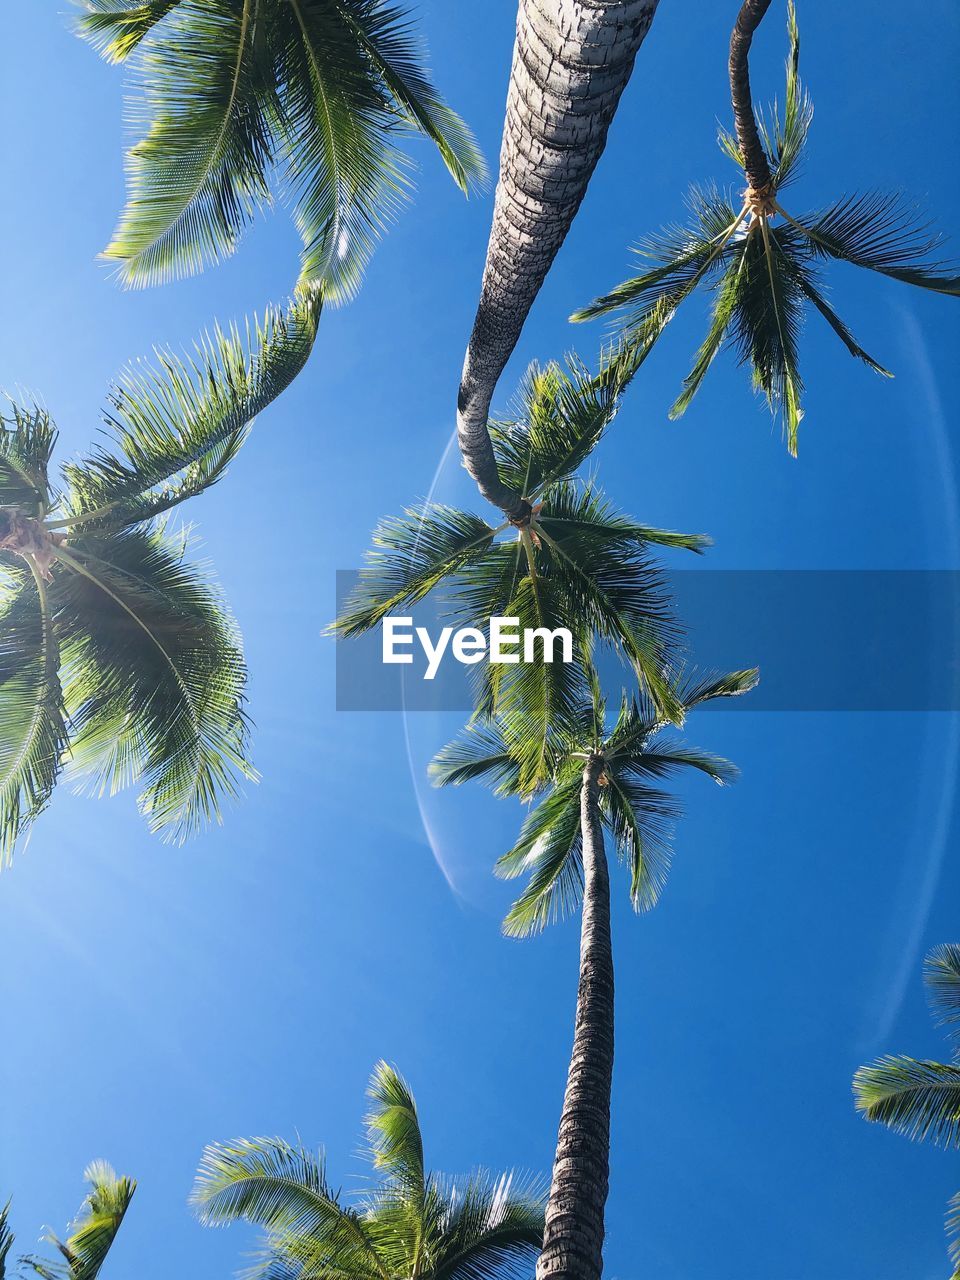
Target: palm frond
{"type": "Point", "coordinates": [92, 1235]}
{"type": "Point", "coordinates": [116, 27]}
{"type": "Point", "coordinates": [479, 752]}
{"type": "Point", "coordinates": [919, 1099]}
{"type": "Point", "coordinates": [881, 232]}
{"type": "Point", "coordinates": [393, 1130]}
{"type": "Point", "coordinates": [33, 731]}
{"type": "Point", "coordinates": [953, 1231]}
{"type": "Point", "coordinates": [200, 170]}
{"type": "Point", "coordinates": [549, 851]}
{"type": "Point", "coordinates": [808, 284]}
{"type": "Point", "coordinates": [384, 33]}
{"type": "Point", "coordinates": [27, 438]}
{"type": "Point", "coordinates": [784, 139]}
{"type": "Point", "coordinates": [179, 425]}
{"type": "Point", "coordinates": [721, 321]}
{"type": "Point", "coordinates": [640, 820]}
{"type": "Point", "coordinates": [268, 1182]}
{"type": "Point", "coordinates": [492, 1227]}
{"type": "Point", "coordinates": [697, 688]}
{"type": "Point", "coordinates": [942, 977]}
{"type": "Point", "coordinates": [6, 1239]}
{"type": "Point", "coordinates": [412, 554]}
{"type": "Point", "coordinates": [155, 678]}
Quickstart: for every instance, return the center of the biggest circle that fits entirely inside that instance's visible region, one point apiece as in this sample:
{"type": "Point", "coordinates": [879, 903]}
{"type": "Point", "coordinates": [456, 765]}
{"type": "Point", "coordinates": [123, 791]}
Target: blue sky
{"type": "Point", "coordinates": [155, 999]}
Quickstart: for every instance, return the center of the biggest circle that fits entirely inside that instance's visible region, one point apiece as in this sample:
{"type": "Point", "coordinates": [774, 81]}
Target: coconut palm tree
{"type": "Point", "coordinates": [237, 98]}
{"type": "Point", "coordinates": [91, 1236]}
{"type": "Point", "coordinates": [571, 63]}
{"type": "Point", "coordinates": [602, 779]}
{"type": "Point", "coordinates": [572, 561]}
{"type": "Point", "coordinates": [118, 657]}
{"type": "Point", "coordinates": [407, 1223]}
{"type": "Point", "coordinates": [917, 1098]}
{"type": "Point", "coordinates": [761, 262]}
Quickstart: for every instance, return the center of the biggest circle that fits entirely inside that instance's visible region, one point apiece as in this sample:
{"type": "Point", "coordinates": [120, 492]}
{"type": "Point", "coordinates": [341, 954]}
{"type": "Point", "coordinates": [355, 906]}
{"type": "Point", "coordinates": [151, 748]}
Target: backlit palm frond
{"type": "Point", "coordinates": [411, 555]}
{"type": "Point", "coordinates": [179, 424]}
{"type": "Point", "coordinates": [347, 176]}
{"type": "Point", "coordinates": [549, 852]}
{"type": "Point", "coordinates": [611, 587]}
{"type": "Point", "coordinates": [695, 688]}
{"type": "Point", "coordinates": [282, 1188]}
{"type": "Point", "coordinates": [27, 438]}
{"type": "Point", "coordinates": [768, 322]}
{"type": "Point", "coordinates": [155, 678]}
{"type": "Point", "coordinates": [33, 731]}
{"type": "Point", "coordinates": [491, 1228]}
{"type": "Point", "coordinates": [942, 976]}
{"type": "Point", "coordinates": [478, 753]}
{"type": "Point", "coordinates": [116, 27]}
{"type": "Point", "coordinates": [916, 1098]}
{"type": "Point", "coordinates": [384, 33]}
{"type": "Point", "coordinates": [393, 1131]}
{"type": "Point", "coordinates": [560, 416]}
{"type": "Point", "coordinates": [881, 232]}
{"type": "Point", "coordinates": [539, 700]}
{"type": "Point", "coordinates": [101, 1217]}
{"type": "Point", "coordinates": [640, 820]}
{"type": "Point", "coordinates": [6, 1240]}
{"type": "Point", "coordinates": [200, 170]}
{"type": "Point", "coordinates": [953, 1232]}
{"type": "Point", "coordinates": [682, 257]}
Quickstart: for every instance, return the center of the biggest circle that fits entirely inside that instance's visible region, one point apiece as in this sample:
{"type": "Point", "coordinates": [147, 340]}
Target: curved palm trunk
{"type": "Point", "coordinates": [754, 157]}
{"type": "Point", "coordinates": [572, 60]}
{"type": "Point", "coordinates": [573, 1235]}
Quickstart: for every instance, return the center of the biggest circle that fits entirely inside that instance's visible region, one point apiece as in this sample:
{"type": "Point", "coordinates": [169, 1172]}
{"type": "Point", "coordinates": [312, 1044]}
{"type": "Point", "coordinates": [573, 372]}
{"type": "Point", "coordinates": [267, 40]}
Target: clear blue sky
{"type": "Point", "coordinates": [156, 999]}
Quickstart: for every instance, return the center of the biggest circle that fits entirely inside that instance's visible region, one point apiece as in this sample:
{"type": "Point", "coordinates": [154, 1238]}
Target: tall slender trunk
{"type": "Point", "coordinates": [572, 60]}
{"type": "Point", "coordinates": [573, 1236]}
{"type": "Point", "coordinates": [755, 161]}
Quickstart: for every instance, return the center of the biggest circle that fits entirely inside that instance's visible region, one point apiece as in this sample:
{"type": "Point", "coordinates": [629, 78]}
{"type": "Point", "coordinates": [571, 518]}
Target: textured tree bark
{"type": "Point", "coordinates": [572, 60]}
{"type": "Point", "coordinates": [751, 148]}
{"type": "Point", "coordinates": [573, 1236]}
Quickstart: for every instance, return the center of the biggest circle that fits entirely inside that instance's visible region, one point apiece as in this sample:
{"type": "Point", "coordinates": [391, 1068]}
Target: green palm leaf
{"type": "Point", "coordinates": [640, 821]}
{"type": "Point", "coordinates": [155, 678]}
{"type": "Point", "coordinates": [33, 732]}
{"type": "Point", "coordinates": [492, 1228]}
{"type": "Point", "coordinates": [479, 753]}
{"type": "Point", "coordinates": [6, 1239]}
{"type": "Point", "coordinates": [916, 1098]}
{"type": "Point", "coordinates": [92, 1235]}
{"type": "Point", "coordinates": [942, 976]}
{"type": "Point", "coordinates": [232, 95]}
{"type": "Point", "coordinates": [394, 1131]}
{"type": "Point", "coordinates": [179, 425]}
{"type": "Point", "coordinates": [27, 438]}
{"type": "Point", "coordinates": [548, 849]}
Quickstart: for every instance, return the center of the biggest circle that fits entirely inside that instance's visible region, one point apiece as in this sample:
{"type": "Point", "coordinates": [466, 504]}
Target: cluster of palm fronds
{"type": "Point", "coordinates": [236, 97]}
{"type": "Point", "coordinates": [82, 1254]}
{"type": "Point", "coordinates": [635, 751]}
{"type": "Point", "coordinates": [575, 563]}
{"type": "Point", "coordinates": [763, 264]}
{"type": "Point", "coordinates": [408, 1222]}
{"type": "Point", "coordinates": [919, 1098]}
{"type": "Point", "coordinates": [118, 656]}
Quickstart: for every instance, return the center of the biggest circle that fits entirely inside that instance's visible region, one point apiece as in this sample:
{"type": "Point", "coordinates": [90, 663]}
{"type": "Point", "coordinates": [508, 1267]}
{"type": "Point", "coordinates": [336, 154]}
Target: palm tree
{"type": "Point", "coordinates": [571, 63]}
{"type": "Point", "coordinates": [918, 1098]}
{"type": "Point", "coordinates": [764, 273]}
{"type": "Point", "coordinates": [602, 779]}
{"type": "Point", "coordinates": [91, 1236]}
{"type": "Point", "coordinates": [238, 97]}
{"type": "Point", "coordinates": [117, 655]}
{"type": "Point", "coordinates": [409, 1223]}
{"type": "Point", "coordinates": [572, 562]}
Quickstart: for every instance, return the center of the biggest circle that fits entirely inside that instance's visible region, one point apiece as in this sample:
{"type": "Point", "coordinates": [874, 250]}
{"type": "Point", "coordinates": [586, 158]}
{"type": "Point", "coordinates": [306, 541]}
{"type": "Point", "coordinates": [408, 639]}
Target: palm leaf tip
{"type": "Point", "coordinates": [919, 1099]}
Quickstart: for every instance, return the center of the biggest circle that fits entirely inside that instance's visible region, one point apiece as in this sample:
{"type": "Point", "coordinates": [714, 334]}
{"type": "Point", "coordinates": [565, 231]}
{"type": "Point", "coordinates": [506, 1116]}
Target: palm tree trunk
{"type": "Point", "coordinates": [573, 1235]}
{"type": "Point", "coordinates": [755, 162]}
{"type": "Point", "coordinates": [572, 60]}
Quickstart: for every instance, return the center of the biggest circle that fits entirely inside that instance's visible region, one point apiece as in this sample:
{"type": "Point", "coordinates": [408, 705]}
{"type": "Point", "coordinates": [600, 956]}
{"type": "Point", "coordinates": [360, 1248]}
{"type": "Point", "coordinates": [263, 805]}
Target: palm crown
{"type": "Point", "coordinates": [238, 96]}
{"type": "Point", "coordinates": [764, 273]}
{"type": "Point", "coordinates": [573, 562]}
{"type": "Point", "coordinates": [117, 655]}
{"type": "Point", "coordinates": [408, 1223]}
{"type": "Point", "coordinates": [90, 1237]}
{"type": "Point", "coordinates": [917, 1098]}
{"type": "Point", "coordinates": [633, 751]}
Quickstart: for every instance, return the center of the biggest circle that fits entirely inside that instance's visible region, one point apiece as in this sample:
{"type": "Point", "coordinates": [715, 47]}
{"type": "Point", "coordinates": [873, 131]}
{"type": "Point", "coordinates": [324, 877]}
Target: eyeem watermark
{"type": "Point", "coordinates": [503, 643]}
